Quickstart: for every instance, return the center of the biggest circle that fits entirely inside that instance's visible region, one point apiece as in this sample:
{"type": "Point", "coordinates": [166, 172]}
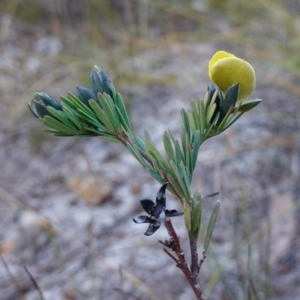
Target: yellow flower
{"type": "Point", "coordinates": [225, 69]}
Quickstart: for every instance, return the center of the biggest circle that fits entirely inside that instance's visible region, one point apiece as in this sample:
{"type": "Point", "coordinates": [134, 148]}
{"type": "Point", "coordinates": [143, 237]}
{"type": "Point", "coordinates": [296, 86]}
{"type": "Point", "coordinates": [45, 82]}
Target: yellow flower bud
{"type": "Point", "coordinates": [225, 70]}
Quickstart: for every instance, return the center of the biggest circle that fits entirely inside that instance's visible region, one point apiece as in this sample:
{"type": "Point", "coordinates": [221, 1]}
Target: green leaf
{"type": "Point", "coordinates": [122, 120]}
{"type": "Point", "coordinates": [51, 131]}
{"type": "Point", "coordinates": [210, 112]}
{"type": "Point", "coordinates": [175, 186]}
{"type": "Point", "coordinates": [109, 109]}
{"type": "Point", "coordinates": [206, 96]}
{"type": "Point", "coordinates": [168, 147]}
{"type": "Point", "coordinates": [69, 103]}
{"type": "Point", "coordinates": [95, 130]}
{"type": "Point", "coordinates": [109, 139]}
{"type": "Point", "coordinates": [95, 122]}
{"type": "Point", "coordinates": [155, 175]}
{"type": "Point", "coordinates": [159, 167]}
{"type": "Point", "coordinates": [197, 212]}
{"type": "Point", "coordinates": [187, 216]}
{"type": "Point", "coordinates": [79, 105]}
{"type": "Point", "coordinates": [214, 95]}
{"type": "Point", "coordinates": [248, 105]}
{"type": "Point", "coordinates": [120, 104]}
{"type": "Point", "coordinates": [196, 220]}
{"type": "Point", "coordinates": [220, 125]}
{"type": "Point", "coordinates": [172, 137]}
{"type": "Point", "coordinates": [228, 102]}
{"type": "Point", "coordinates": [186, 123]}
{"type": "Point", "coordinates": [202, 113]}
{"type": "Point", "coordinates": [151, 149]}
{"type": "Point", "coordinates": [197, 197]}
{"type": "Point", "coordinates": [211, 225]}
{"type": "Point", "coordinates": [71, 116]}
{"type": "Point", "coordinates": [135, 152]}
{"type": "Point", "coordinates": [192, 122]}
{"type": "Point", "coordinates": [186, 179]}
{"type": "Point", "coordinates": [232, 120]}
{"type": "Point", "coordinates": [59, 115]}
{"type": "Point", "coordinates": [195, 114]}
{"type": "Point", "coordinates": [195, 151]}
{"type": "Point", "coordinates": [212, 128]}
{"type": "Point", "coordinates": [60, 127]}
{"type": "Point", "coordinates": [102, 116]}
{"type": "Point", "coordinates": [186, 148]}
{"type": "Point", "coordinates": [140, 143]}
{"type": "Point", "coordinates": [181, 180]}
{"type": "Point", "coordinates": [178, 153]}
{"type": "Point", "coordinates": [63, 134]}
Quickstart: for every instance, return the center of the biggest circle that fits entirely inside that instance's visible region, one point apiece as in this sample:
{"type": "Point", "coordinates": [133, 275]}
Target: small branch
{"type": "Point", "coordinates": [173, 235]}
{"type": "Point", "coordinates": [174, 245]}
{"type": "Point", "coordinates": [35, 284]}
{"type": "Point", "coordinates": [171, 255]}
{"type": "Point", "coordinates": [195, 269]}
{"type": "Point", "coordinates": [130, 140]}
{"type": "Point", "coordinates": [125, 140]}
{"type": "Point", "coordinates": [13, 279]}
{"type": "Point", "coordinates": [145, 156]}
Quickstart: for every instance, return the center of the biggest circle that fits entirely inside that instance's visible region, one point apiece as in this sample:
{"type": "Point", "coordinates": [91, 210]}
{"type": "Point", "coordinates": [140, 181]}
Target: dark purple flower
{"type": "Point", "coordinates": [157, 213]}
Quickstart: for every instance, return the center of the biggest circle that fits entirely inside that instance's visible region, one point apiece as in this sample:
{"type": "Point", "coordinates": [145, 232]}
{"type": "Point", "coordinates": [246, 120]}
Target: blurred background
{"type": "Point", "coordinates": [66, 204]}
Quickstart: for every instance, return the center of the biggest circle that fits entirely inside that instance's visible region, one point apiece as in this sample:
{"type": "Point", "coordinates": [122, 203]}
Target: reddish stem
{"type": "Point", "coordinates": [190, 274]}
{"type": "Point", "coordinates": [195, 269]}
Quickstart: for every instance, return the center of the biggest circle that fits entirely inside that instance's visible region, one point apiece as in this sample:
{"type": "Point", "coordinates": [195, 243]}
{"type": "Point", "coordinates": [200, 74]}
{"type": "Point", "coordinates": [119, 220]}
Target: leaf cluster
{"type": "Point", "coordinates": [96, 112]}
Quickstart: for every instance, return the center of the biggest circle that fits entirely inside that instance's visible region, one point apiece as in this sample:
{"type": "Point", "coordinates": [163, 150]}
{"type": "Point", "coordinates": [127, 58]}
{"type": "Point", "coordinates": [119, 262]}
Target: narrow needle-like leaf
{"type": "Point", "coordinates": [211, 225]}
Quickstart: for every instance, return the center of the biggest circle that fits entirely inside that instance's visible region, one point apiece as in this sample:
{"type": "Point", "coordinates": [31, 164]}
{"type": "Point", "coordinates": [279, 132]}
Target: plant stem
{"type": "Point", "coordinates": [195, 269]}
{"type": "Point", "coordinates": [202, 260]}
{"type": "Point", "coordinates": [190, 274]}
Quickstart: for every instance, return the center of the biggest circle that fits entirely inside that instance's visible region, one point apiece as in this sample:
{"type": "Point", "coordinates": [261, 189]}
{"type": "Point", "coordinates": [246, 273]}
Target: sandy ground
{"type": "Point", "coordinates": [77, 249]}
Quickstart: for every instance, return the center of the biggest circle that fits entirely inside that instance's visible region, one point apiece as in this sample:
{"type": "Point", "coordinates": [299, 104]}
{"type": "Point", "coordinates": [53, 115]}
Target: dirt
{"type": "Point", "coordinates": [80, 249]}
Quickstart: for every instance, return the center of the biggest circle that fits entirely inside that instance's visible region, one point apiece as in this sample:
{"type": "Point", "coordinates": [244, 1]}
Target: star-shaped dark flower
{"type": "Point", "coordinates": [157, 212]}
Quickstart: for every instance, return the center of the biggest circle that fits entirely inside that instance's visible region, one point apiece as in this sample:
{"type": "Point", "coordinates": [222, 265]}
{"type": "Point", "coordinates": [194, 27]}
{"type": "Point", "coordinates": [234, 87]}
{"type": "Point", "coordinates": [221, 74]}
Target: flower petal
{"type": "Point", "coordinates": [147, 205]}
{"type": "Point", "coordinates": [173, 213]}
{"type": "Point", "coordinates": [161, 195]}
{"type": "Point", "coordinates": [142, 219]}
{"type": "Point", "coordinates": [225, 70]}
{"type": "Point", "coordinates": [158, 212]}
{"type": "Point", "coordinates": [218, 55]}
{"type": "Point", "coordinates": [152, 228]}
